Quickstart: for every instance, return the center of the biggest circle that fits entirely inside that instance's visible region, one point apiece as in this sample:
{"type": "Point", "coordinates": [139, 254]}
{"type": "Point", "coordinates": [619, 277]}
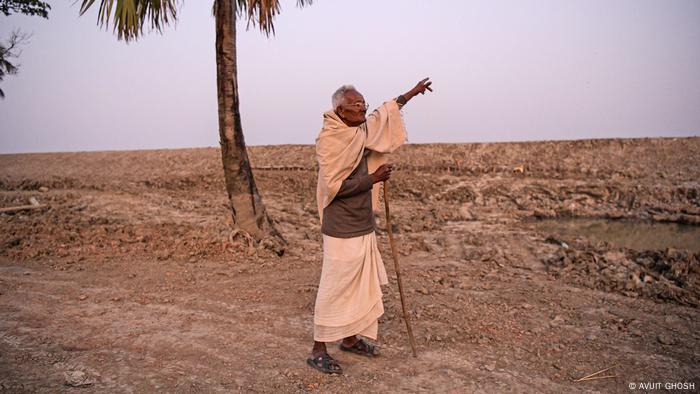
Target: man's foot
{"type": "Point", "coordinates": [325, 363]}
{"type": "Point", "coordinates": [360, 347]}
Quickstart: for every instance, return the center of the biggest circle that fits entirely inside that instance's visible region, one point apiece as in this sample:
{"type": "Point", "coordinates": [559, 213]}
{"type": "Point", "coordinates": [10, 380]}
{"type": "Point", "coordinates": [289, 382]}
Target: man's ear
{"type": "Point", "coordinates": [341, 113]}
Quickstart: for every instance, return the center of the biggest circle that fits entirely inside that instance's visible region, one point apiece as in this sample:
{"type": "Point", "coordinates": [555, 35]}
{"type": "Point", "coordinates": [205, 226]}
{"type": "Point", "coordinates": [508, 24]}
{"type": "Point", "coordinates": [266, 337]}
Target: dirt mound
{"type": "Point", "coordinates": [669, 275]}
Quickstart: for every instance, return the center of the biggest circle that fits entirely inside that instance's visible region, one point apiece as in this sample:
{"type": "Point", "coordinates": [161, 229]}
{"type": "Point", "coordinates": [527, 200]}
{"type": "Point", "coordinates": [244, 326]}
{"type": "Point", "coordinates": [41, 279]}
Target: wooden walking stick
{"type": "Point", "coordinates": [395, 255]}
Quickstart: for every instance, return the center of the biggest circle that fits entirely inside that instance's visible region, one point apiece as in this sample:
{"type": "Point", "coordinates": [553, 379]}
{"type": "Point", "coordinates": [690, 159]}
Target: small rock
{"type": "Point", "coordinates": [557, 320]}
{"type": "Point", "coordinates": [466, 214]}
{"type": "Point", "coordinates": [83, 297]}
{"type": "Point", "coordinates": [490, 366]}
{"type": "Point", "coordinates": [555, 241]}
{"type": "Point", "coordinates": [77, 379]}
{"type": "Point", "coordinates": [665, 339]}
{"type": "Point", "coordinates": [43, 189]}
{"type": "Point", "coordinates": [635, 332]}
{"type": "Point", "coordinates": [424, 290]}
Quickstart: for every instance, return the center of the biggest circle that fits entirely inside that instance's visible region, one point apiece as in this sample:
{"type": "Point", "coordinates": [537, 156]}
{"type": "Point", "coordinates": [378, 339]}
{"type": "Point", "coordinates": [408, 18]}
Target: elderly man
{"type": "Point", "coordinates": [351, 151]}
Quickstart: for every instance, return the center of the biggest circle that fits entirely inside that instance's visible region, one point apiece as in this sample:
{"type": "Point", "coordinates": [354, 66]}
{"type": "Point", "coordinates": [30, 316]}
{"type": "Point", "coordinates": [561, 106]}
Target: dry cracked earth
{"type": "Point", "coordinates": [128, 280]}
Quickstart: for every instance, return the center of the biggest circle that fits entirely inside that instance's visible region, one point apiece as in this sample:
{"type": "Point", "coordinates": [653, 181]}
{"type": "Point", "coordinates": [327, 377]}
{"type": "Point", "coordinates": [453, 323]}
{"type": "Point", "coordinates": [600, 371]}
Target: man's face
{"type": "Point", "coordinates": [353, 110]}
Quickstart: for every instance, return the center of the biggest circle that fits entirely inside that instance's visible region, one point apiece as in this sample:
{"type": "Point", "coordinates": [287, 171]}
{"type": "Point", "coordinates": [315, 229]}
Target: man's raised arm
{"type": "Point", "coordinates": [421, 87]}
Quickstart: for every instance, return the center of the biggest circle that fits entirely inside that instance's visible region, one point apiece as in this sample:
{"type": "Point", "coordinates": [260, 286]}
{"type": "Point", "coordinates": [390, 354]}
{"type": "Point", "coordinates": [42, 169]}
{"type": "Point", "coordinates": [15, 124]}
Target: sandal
{"type": "Point", "coordinates": [325, 363]}
{"type": "Point", "coordinates": [361, 347]}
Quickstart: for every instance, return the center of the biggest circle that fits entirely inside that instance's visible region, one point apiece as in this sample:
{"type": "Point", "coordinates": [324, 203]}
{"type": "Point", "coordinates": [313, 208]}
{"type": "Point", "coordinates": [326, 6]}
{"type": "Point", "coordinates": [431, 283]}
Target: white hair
{"type": "Point", "coordinates": [339, 95]}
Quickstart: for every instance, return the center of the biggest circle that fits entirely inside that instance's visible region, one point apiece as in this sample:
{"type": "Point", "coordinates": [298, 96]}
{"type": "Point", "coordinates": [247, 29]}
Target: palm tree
{"type": "Point", "coordinates": [129, 17]}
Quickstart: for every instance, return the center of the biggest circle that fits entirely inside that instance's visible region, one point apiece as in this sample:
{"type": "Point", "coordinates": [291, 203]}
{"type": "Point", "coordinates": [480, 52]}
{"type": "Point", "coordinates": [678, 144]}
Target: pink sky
{"type": "Point", "coordinates": [502, 71]}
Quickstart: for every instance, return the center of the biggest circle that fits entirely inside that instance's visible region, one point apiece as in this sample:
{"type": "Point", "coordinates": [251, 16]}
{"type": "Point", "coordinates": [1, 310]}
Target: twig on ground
{"type": "Point", "coordinates": [597, 377]}
{"type": "Point", "coordinates": [590, 377]}
{"type": "Point", "coordinates": [34, 204]}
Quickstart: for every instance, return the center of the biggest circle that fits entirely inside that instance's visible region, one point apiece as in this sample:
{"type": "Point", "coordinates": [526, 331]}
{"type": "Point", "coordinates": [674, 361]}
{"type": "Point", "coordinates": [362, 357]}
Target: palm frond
{"type": "Point", "coordinates": [11, 50]}
{"type": "Point", "coordinates": [7, 68]}
{"type": "Point", "coordinates": [130, 16]}
{"type": "Point", "coordinates": [262, 12]}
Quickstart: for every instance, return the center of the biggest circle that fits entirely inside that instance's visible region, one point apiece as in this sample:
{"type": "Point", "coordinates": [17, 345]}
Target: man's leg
{"type": "Point", "coordinates": [318, 349]}
{"type": "Point", "coordinates": [349, 341]}
{"type": "Point", "coordinates": [359, 346]}
{"type": "Point", "coordinates": [321, 360]}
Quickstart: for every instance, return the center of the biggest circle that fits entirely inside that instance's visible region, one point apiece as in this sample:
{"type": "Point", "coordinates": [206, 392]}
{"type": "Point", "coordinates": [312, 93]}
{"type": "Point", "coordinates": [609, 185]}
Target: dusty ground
{"type": "Point", "coordinates": [128, 282]}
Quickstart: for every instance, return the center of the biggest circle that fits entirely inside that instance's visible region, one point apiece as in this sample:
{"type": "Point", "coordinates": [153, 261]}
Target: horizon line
{"type": "Point", "coordinates": [407, 143]}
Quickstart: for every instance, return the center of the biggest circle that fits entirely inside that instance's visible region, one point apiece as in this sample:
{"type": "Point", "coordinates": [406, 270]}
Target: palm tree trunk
{"type": "Point", "coordinates": [247, 207]}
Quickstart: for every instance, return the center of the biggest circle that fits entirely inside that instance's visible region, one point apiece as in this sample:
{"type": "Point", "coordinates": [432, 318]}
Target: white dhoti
{"type": "Point", "coordinates": [349, 298]}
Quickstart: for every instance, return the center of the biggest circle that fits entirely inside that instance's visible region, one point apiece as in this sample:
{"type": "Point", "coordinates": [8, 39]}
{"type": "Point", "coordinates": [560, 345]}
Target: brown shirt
{"type": "Point", "coordinates": [350, 213]}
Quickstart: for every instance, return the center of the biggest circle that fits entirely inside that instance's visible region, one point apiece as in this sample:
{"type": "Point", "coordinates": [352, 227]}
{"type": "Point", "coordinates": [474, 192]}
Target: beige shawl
{"type": "Point", "coordinates": [339, 149]}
